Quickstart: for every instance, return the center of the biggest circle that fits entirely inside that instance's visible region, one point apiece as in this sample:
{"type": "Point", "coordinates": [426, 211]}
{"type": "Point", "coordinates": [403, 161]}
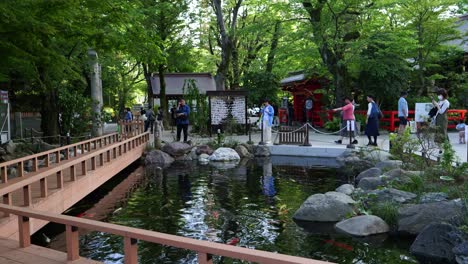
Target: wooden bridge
{"type": "Point", "coordinates": [37, 189]}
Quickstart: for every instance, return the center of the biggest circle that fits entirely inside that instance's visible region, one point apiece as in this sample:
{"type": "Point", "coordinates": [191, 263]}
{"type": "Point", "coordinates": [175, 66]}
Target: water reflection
{"type": "Point", "coordinates": [249, 205]}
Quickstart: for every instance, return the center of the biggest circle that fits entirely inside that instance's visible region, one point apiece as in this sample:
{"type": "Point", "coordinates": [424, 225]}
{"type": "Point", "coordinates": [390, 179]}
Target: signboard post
{"type": "Point", "coordinates": [4, 99]}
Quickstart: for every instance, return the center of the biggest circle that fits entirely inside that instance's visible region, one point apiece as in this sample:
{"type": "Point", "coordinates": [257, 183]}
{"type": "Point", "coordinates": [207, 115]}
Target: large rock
{"type": "Point", "coordinates": [377, 155]}
{"type": "Point", "coordinates": [176, 149]}
{"type": "Point", "coordinates": [224, 154]}
{"type": "Point", "coordinates": [347, 189]}
{"type": "Point", "coordinates": [10, 147]}
{"type": "Point", "coordinates": [413, 219]}
{"type": "Point", "coordinates": [393, 195]}
{"type": "Point", "coordinates": [352, 165]}
{"type": "Point", "coordinates": [433, 197]}
{"type": "Point", "coordinates": [204, 158]}
{"type": "Point", "coordinates": [369, 173]}
{"type": "Point", "coordinates": [204, 149]}
{"type": "Point", "coordinates": [461, 253]}
{"type": "Point", "coordinates": [340, 197]}
{"type": "Point", "coordinates": [363, 225]}
{"type": "Point", "coordinates": [370, 183]}
{"type": "Point", "coordinates": [324, 208]}
{"type": "Point", "coordinates": [243, 152]}
{"type": "Point", "coordinates": [158, 158]}
{"type": "Point", "coordinates": [389, 164]}
{"type": "Point", "coordinates": [261, 151]}
{"type": "Point", "coordinates": [436, 242]}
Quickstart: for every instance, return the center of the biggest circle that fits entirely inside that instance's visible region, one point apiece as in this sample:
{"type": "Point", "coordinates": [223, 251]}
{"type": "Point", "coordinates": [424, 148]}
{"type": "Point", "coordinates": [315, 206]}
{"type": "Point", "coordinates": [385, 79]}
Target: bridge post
{"type": "Point", "coordinates": [72, 173]}
{"type": "Point", "coordinates": [7, 200]}
{"type": "Point", "coordinates": [35, 164]}
{"type": "Point", "coordinates": [24, 231]}
{"type": "Point", "coordinates": [3, 175]}
{"type": "Point", "coordinates": [84, 168]}
{"type": "Point", "coordinates": [20, 169]}
{"type": "Point", "coordinates": [44, 188]}
{"type": "Point", "coordinates": [204, 258]}
{"type": "Point", "coordinates": [27, 195]}
{"type": "Point", "coordinates": [101, 159]}
{"type": "Point", "coordinates": [59, 180]}
{"type": "Point", "coordinates": [47, 161]}
{"type": "Point", "coordinates": [73, 242]}
{"type": "Point", "coordinates": [93, 163]}
{"type": "Point", "coordinates": [130, 250]}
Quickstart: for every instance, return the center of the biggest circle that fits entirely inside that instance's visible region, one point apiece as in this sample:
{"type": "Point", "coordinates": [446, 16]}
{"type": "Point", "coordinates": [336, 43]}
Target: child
{"type": "Point", "coordinates": [461, 128]}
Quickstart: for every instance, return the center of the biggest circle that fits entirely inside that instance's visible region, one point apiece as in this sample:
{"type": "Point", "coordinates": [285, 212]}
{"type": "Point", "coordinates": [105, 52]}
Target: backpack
{"type": "Point", "coordinates": [375, 112]}
{"type": "Point", "coordinates": [150, 115]}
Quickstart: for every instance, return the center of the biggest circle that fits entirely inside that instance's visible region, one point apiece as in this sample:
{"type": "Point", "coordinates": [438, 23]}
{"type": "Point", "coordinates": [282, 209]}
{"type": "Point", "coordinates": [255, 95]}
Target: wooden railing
{"type": "Point", "coordinates": [292, 135]}
{"type": "Point", "coordinates": [33, 162]}
{"type": "Point", "coordinates": [131, 129]}
{"type": "Point", "coordinates": [110, 151]}
{"type": "Point", "coordinates": [204, 249]}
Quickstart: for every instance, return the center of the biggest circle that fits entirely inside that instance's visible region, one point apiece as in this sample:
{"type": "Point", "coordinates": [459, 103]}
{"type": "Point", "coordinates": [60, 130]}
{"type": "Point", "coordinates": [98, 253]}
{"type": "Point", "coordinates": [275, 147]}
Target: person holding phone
{"type": "Point", "coordinates": [182, 119]}
{"type": "Point", "coordinates": [441, 119]}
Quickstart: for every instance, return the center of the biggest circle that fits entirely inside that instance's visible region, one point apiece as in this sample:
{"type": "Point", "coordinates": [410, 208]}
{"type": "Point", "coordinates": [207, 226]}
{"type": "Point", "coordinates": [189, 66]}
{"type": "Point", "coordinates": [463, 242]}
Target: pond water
{"type": "Point", "coordinates": [249, 205]}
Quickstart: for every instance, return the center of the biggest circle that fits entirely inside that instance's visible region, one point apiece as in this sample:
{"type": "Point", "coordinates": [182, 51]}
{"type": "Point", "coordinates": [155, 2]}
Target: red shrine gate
{"type": "Point", "coordinates": [303, 88]}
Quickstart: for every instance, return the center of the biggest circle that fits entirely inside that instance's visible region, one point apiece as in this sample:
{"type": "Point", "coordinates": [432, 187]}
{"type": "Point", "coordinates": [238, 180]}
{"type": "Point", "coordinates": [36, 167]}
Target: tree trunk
{"type": "Point", "coordinates": [49, 115]}
{"type": "Point", "coordinates": [222, 71]}
{"type": "Point", "coordinates": [421, 62]}
{"type": "Point", "coordinates": [149, 90]}
{"type": "Point", "coordinates": [273, 46]}
{"type": "Point", "coordinates": [162, 94]}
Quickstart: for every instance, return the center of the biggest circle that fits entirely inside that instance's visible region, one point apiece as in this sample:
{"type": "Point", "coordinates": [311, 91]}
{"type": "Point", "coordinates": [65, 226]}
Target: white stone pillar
{"type": "Point", "coordinates": [96, 92]}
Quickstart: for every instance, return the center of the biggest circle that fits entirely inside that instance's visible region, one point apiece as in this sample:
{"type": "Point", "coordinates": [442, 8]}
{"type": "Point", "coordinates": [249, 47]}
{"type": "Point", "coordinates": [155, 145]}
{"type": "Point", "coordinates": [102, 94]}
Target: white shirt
{"type": "Point", "coordinates": [444, 105]}
{"type": "Point", "coordinates": [369, 109]}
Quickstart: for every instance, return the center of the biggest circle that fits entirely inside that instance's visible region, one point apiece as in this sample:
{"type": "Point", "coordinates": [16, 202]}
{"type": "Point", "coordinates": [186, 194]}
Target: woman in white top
{"type": "Point", "coordinates": [441, 120]}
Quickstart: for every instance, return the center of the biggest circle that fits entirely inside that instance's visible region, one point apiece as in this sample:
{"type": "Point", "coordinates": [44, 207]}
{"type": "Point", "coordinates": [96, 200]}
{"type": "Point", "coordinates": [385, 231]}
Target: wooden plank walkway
{"type": "Point", "coordinates": [11, 253]}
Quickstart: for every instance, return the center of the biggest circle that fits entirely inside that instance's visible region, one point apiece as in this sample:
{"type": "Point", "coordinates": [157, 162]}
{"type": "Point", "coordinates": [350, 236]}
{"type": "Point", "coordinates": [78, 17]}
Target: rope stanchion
{"type": "Point", "coordinates": [323, 133]}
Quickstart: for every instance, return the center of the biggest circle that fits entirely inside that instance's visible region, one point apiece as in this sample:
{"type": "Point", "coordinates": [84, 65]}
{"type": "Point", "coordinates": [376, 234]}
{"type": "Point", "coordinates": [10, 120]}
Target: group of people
{"type": "Point", "coordinates": [180, 115]}
{"type": "Point", "coordinates": [439, 118]}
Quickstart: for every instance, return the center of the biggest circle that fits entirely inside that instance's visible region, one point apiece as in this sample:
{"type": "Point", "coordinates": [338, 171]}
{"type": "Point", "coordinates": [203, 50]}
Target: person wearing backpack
{"type": "Point", "coordinates": [372, 121]}
{"type": "Point", "coordinates": [150, 118]}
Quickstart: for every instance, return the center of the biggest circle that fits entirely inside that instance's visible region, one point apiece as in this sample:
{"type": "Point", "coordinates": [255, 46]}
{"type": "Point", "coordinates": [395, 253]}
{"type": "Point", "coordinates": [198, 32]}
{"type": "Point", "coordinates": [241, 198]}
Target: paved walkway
{"type": "Point", "coordinates": [315, 139]}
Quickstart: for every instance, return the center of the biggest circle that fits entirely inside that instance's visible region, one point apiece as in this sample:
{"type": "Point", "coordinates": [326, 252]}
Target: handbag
{"type": "Point", "coordinates": [433, 112]}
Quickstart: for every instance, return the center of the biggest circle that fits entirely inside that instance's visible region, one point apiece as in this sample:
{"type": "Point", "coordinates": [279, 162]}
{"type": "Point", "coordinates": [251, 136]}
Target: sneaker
{"type": "Point", "coordinates": [370, 144]}
{"type": "Point", "coordinates": [338, 141]}
{"type": "Point", "coordinates": [374, 144]}
{"type": "Point", "coordinates": [354, 141]}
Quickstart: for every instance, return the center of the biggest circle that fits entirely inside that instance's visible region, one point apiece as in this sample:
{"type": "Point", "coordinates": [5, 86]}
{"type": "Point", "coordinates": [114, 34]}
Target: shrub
{"type": "Point", "coordinates": [388, 211]}
{"type": "Point", "coordinates": [333, 125]}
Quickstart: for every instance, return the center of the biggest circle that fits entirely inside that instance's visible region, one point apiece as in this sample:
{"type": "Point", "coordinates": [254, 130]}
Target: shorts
{"type": "Point", "coordinates": [403, 121]}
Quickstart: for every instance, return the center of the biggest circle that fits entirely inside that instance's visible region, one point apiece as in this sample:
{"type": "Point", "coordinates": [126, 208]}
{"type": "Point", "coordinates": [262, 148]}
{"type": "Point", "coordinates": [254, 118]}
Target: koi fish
{"type": "Point", "coordinates": [339, 244]}
{"type": "Point", "coordinates": [215, 215]}
{"type": "Point", "coordinates": [234, 241]}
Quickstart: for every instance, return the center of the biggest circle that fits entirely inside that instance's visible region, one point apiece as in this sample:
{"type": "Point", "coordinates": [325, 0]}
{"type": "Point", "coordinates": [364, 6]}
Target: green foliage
{"type": "Point", "coordinates": [199, 116]}
{"type": "Point", "coordinates": [75, 108]}
{"type": "Point", "coordinates": [221, 142]}
{"type": "Point", "coordinates": [261, 85]}
{"type": "Point", "coordinates": [333, 125]}
{"type": "Point", "coordinates": [404, 146]}
{"type": "Point", "coordinates": [388, 211]}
